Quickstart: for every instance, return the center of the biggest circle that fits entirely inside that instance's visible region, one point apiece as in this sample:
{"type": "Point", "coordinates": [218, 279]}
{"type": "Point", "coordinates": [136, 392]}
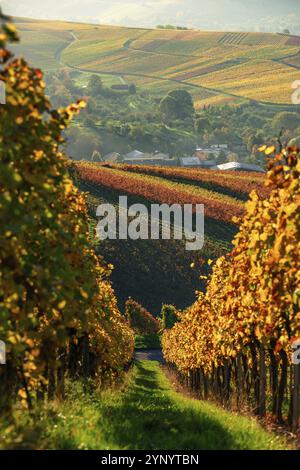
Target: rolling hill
{"type": "Point", "coordinates": [271, 15]}
{"type": "Point", "coordinates": [217, 67]}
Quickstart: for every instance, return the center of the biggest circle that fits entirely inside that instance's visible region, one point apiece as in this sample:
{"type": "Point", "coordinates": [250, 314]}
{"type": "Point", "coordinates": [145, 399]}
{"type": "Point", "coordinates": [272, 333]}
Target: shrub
{"type": "Point", "coordinates": [169, 316]}
{"type": "Point", "coordinates": [140, 320]}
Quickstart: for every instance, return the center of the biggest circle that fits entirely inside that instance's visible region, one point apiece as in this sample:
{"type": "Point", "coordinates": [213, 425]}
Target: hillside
{"type": "Point", "coordinates": [270, 15]}
{"type": "Point", "coordinates": [216, 67]}
{"type": "Point", "coordinates": [162, 271]}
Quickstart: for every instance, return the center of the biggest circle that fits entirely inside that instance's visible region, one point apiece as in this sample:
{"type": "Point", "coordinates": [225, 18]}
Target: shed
{"type": "Point", "coordinates": [237, 166]}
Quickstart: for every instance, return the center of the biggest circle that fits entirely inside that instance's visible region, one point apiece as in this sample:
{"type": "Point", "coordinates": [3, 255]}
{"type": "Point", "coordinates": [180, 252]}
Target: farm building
{"type": "Point", "coordinates": [157, 158]}
{"type": "Point", "coordinates": [237, 166]}
{"type": "Point", "coordinates": [112, 157]}
{"type": "Point", "coordinates": [190, 161]}
{"type": "Point", "coordinates": [149, 159]}
{"type": "Point", "coordinates": [219, 147]}
{"type": "Point", "coordinates": [205, 153]}
{"type": "Point", "coordinates": [165, 156]}
{"type": "Point", "coordinates": [207, 163]}
{"type": "Point", "coordinates": [134, 154]}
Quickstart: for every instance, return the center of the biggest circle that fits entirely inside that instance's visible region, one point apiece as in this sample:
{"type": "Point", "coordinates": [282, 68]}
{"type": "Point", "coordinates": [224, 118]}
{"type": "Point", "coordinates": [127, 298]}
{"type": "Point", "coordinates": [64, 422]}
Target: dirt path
{"type": "Point", "coordinates": [64, 48]}
{"type": "Point", "coordinates": [149, 355]}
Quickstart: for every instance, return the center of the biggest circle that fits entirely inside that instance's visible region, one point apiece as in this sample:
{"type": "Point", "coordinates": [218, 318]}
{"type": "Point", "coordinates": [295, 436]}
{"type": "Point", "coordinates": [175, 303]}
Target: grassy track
{"type": "Point", "coordinates": [148, 414]}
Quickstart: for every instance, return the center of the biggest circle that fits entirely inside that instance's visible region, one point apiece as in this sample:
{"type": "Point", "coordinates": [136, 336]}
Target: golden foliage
{"type": "Point", "coordinates": [253, 294]}
{"type": "Point", "coordinates": [52, 285]}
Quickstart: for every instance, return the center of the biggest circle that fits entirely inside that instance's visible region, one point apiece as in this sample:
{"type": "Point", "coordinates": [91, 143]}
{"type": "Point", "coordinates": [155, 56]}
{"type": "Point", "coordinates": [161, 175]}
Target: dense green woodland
{"type": "Point", "coordinates": [122, 120]}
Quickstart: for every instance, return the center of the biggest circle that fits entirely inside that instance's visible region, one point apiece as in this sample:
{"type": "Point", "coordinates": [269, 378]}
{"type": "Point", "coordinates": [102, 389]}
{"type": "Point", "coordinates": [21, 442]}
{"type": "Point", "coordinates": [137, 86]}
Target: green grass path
{"type": "Point", "coordinates": [148, 414]}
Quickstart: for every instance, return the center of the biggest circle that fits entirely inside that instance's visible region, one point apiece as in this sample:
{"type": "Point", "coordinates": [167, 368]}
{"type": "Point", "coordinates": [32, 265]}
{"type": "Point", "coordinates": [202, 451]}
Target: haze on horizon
{"type": "Point", "coordinates": [259, 15]}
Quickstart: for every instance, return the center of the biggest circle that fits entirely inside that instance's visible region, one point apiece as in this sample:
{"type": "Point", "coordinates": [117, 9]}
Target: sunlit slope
{"type": "Point", "coordinates": [215, 66]}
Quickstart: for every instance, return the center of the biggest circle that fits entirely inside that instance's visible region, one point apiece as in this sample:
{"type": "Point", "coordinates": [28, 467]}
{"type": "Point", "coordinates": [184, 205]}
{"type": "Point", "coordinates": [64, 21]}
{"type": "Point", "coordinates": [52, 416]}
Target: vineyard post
{"type": "Point", "coordinates": [262, 381]}
{"type": "Point", "coordinates": [254, 376]}
{"type": "Point", "coordinates": [205, 384]}
{"type": "Point", "coordinates": [194, 381]}
{"type": "Point", "coordinates": [246, 375]}
{"type": "Point", "coordinates": [227, 373]}
{"type": "Point", "coordinates": [198, 383]}
{"type": "Point", "coordinates": [210, 381]}
{"type": "Point", "coordinates": [219, 382]}
{"type": "Point", "coordinates": [282, 384]}
{"type": "Point", "coordinates": [61, 374]}
{"type": "Point", "coordinates": [188, 378]}
{"type": "Point", "coordinates": [51, 383]}
{"type": "Point", "coordinates": [240, 378]}
{"type": "Point", "coordinates": [73, 358]}
{"type": "Point", "coordinates": [295, 396]}
{"type": "Point", "coordinates": [237, 383]}
{"type": "Point", "coordinates": [294, 402]}
{"type": "Point", "coordinates": [274, 381]}
{"type": "Point", "coordinates": [85, 356]}
{"type": "Point", "coordinates": [201, 384]}
{"type": "Point", "coordinates": [223, 385]}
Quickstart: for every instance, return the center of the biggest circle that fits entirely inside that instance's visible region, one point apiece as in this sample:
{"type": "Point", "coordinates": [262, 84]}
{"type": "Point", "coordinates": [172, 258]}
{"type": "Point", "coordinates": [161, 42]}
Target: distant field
{"type": "Point", "coordinates": [236, 184]}
{"type": "Point", "coordinates": [219, 206]}
{"type": "Point", "coordinates": [216, 67]}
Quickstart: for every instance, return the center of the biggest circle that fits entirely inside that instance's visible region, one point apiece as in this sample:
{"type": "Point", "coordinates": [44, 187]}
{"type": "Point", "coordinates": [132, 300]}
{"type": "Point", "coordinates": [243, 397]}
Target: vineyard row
{"type": "Point", "coordinates": [217, 206]}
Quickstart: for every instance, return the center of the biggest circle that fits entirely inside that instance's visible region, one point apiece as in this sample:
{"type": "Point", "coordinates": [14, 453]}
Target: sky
{"type": "Point", "coordinates": [211, 14]}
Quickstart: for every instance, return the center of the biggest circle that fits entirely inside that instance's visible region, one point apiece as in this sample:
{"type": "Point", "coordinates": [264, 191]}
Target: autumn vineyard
{"type": "Point", "coordinates": [48, 266]}
{"type": "Point", "coordinates": [236, 341]}
{"type": "Point", "coordinates": [72, 306]}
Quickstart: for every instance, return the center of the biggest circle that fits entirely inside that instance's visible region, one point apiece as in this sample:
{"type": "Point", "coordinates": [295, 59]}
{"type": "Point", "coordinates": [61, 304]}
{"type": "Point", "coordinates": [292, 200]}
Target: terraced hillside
{"type": "Point", "coordinates": [170, 272]}
{"type": "Point", "coordinates": [215, 66]}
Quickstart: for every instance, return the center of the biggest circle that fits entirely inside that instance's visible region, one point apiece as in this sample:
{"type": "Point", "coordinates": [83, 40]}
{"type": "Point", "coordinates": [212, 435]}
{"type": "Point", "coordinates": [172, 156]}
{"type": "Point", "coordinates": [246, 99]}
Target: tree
{"type": "Point", "coordinates": [184, 102]}
{"type": "Point", "coordinates": [82, 145]}
{"type": "Point", "coordinates": [255, 121]}
{"type": "Point", "coordinates": [253, 139]}
{"type": "Point", "coordinates": [168, 107]}
{"type": "Point", "coordinates": [202, 124]}
{"type": "Point", "coordinates": [61, 96]}
{"type": "Point", "coordinates": [95, 85]}
{"type": "Point", "coordinates": [221, 156]}
{"type": "Point", "coordinates": [178, 104]}
{"type": "Point", "coordinates": [169, 316]}
{"type": "Point", "coordinates": [132, 89]}
{"type": "Point", "coordinates": [137, 133]}
{"type": "Point", "coordinates": [286, 120]}
{"type": "Point", "coordinates": [70, 85]}
{"type": "Point", "coordinates": [140, 320]}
